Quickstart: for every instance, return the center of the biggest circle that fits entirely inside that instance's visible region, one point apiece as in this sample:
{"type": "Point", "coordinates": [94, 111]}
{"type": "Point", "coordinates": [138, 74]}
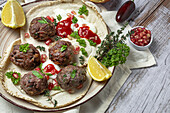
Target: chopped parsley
{"type": "Point", "coordinates": [74, 64]}
{"type": "Point", "coordinates": [13, 79]}
{"type": "Point", "coordinates": [56, 88]}
{"type": "Point", "coordinates": [81, 60]}
{"type": "Point", "coordinates": [83, 10]}
{"type": "Point", "coordinates": [55, 23]}
{"type": "Point", "coordinates": [92, 43]}
{"type": "Point", "coordinates": [59, 17]}
{"type": "Point", "coordinates": [48, 74]}
{"type": "Point", "coordinates": [75, 35]}
{"type": "Point", "coordinates": [41, 48]}
{"type": "Point", "coordinates": [73, 74]}
{"type": "Point", "coordinates": [65, 75]}
{"type": "Point", "coordinates": [84, 52]}
{"type": "Point", "coordinates": [82, 42]}
{"type": "Point", "coordinates": [24, 48]}
{"type": "Point", "coordinates": [43, 21]}
{"type": "Point", "coordinates": [37, 74]}
{"type": "Point", "coordinates": [74, 20]}
{"type": "Point", "coordinates": [63, 48]}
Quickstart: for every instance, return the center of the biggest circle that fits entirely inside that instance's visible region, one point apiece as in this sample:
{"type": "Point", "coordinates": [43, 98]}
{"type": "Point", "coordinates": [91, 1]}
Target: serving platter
{"type": "Point", "coordinates": [7, 37]}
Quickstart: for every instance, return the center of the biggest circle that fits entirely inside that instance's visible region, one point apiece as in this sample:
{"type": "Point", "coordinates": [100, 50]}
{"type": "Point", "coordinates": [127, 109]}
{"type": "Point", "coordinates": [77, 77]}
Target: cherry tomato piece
{"type": "Point", "coordinates": [48, 42]}
{"type": "Point", "coordinates": [43, 58]}
{"type": "Point", "coordinates": [37, 69]}
{"type": "Point", "coordinates": [48, 17]}
{"type": "Point", "coordinates": [50, 86]}
{"type": "Point", "coordinates": [26, 35]}
{"type": "Point", "coordinates": [125, 11]}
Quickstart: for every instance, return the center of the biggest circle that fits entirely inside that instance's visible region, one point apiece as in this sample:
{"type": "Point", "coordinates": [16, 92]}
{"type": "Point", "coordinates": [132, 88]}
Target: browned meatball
{"type": "Point", "coordinates": [33, 85]}
{"type": "Point", "coordinates": [71, 78]}
{"type": "Point", "coordinates": [61, 53]}
{"type": "Point", "coordinates": [41, 31]}
{"type": "Point", "coordinates": [27, 60]}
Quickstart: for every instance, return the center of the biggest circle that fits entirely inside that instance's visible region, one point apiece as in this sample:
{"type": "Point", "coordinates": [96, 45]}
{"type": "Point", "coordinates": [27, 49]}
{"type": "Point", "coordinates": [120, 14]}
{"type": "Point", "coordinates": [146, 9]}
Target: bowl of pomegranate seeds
{"type": "Point", "coordinates": [140, 38]}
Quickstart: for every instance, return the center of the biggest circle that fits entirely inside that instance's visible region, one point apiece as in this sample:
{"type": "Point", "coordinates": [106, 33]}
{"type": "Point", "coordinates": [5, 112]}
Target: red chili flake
{"type": "Point", "coordinates": [76, 25]}
{"type": "Point", "coordinates": [15, 75]}
{"type": "Point", "coordinates": [50, 86]}
{"type": "Point", "coordinates": [48, 17]}
{"type": "Point", "coordinates": [26, 35]}
{"type": "Point", "coordinates": [43, 58]}
{"type": "Point", "coordinates": [73, 12]}
{"type": "Point", "coordinates": [48, 42]}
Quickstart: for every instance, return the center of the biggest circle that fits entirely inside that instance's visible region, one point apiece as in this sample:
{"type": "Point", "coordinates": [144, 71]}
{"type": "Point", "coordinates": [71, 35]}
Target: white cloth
{"type": "Point", "coordinates": [99, 104]}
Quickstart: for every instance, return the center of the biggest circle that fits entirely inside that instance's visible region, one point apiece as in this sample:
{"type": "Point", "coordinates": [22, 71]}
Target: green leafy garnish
{"type": "Point", "coordinates": [43, 21]}
{"type": "Point", "coordinates": [46, 93]}
{"type": "Point", "coordinates": [56, 88]}
{"type": "Point", "coordinates": [74, 64]}
{"type": "Point", "coordinates": [41, 48]}
{"type": "Point", "coordinates": [75, 35]}
{"type": "Point", "coordinates": [84, 52]}
{"type": "Point", "coordinates": [113, 50]}
{"type": "Point", "coordinates": [59, 17]}
{"type": "Point", "coordinates": [24, 48]}
{"type": "Point", "coordinates": [74, 20]}
{"type": "Point", "coordinates": [48, 74]}
{"type": "Point", "coordinates": [83, 10]}
{"type": "Point", "coordinates": [58, 38]}
{"type": "Point", "coordinates": [64, 75]}
{"type": "Point", "coordinates": [82, 42]}
{"type": "Point", "coordinates": [81, 60]}
{"type": "Point", "coordinates": [55, 23]}
{"type": "Point", "coordinates": [73, 74]}
{"type": "Point", "coordinates": [37, 74]}
{"type": "Point", "coordinates": [0, 57]}
{"type": "Point", "coordinates": [92, 43]}
{"type": "Point", "coordinates": [13, 79]}
{"type": "Point", "coordinates": [63, 48]}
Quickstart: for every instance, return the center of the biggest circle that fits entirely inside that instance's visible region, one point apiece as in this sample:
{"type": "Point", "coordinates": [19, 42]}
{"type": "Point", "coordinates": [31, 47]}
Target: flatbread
{"type": "Point", "coordinates": [63, 98]}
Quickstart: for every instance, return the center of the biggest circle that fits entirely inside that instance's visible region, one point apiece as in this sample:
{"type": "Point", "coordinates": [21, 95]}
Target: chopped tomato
{"type": "Point", "coordinates": [26, 35]}
{"type": "Point", "coordinates": [47, 77]}
{"type": "Point", "coordinates": [37, 69]}
{"type": "Point", "coordinates": [53, 72]}
{"type": "Point", "coordinates": [50, 86]}
{"type": "Point", "coordinates": [76, 50]}
{"type": "Point", "coordinates": [48, 42]}
{"type": "Point", "coordinates": [52, 19]}
{"type": "Point", "coordinates": [43, 58]}
{"type": "Point", "coordinates": [49, 68]}
{"type": "Point", "coordinates": [48, 17]}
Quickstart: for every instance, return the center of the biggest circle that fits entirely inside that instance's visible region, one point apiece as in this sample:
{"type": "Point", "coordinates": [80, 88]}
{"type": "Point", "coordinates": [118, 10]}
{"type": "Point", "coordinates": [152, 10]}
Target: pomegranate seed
{"type": "Point", "coordinates": [141, 44]}
{"type": "Point", "coordinates": [148, 31]}
{"type": "Point", "coordinates": [133, 40]}
{"type": "Point", "coordinates": [148, 35]}
{"type": "Point", "coordinates": [43, 58]}
{"type": "Point", "coordinates": [73, 12]}
{"type": "Point", "coordinates": [47, 77]}
{"type": "Point", "coordinates": [139, 29]}
{"type": "Point", "coordinates": [48, 42]}
{"type": "Point", "coordinates": [37, 69]}
{"type": "Point", "coordinates": [50, 86]}
{"type": "Point", "coordinates": [15, 75]}
{"type": "Point", "coordinates": [136, 37]}
{"type": "Point", "coordinates": [141, 34]}
{"type": "Point", "coordinates": [26, 35]}
{"type": "Point", "coordinates": [144, 37]}
{"type": "Point", "coordinates": [48, 17]}
{"type": "Point", "coordinates": [76, 25]}
{"type": "Point", "coordinates": [145, 41]}
{"type": "Point", "coordinates": [52, 19]}
{"type": "Point", "coordinates": [140, 40]}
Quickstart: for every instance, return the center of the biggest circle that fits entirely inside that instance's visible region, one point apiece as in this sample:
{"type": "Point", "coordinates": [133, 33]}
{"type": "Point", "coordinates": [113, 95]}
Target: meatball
{"type": "Point", "coordinates": [71, 78]}
{"type": "Point", "coordinates": [27, 60]}
{"type": "Point", "coordinates": [61, 53]}
{"type": "Point", "coordinates": [41, 29]}
{"type": "Point", "coordinates": [33, 85]}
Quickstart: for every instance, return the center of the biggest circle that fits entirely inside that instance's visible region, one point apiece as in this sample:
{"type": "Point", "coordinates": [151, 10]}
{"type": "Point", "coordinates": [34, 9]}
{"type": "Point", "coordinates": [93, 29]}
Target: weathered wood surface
{"type": "Point", "coordinates": [147, 90]}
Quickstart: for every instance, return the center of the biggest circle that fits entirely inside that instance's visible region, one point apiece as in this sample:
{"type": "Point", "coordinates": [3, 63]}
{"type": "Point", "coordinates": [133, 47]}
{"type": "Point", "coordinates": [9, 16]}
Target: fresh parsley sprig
{"type": "Point", "coordinates": [113, 50]}
{"type": "Point", "coordinates": [63, 48]}
{"type": "Point", "coordinates": [82, 42]}
{"type": "Point", "coordinates": [41, 48]}
{"type": "Point", "coordinates": [13, 79]}
{"type": "Point", "coordinates": [74, 20]}
{"type": "Point", "coordinates": [43, 21]}
{"type": "Point", "coordinates": [24, 47]}
{"type": "Point", "coordinates": [59, 17]}
{"type": "Point", "coordinates": [83, 10]}
{"type": "Point", "coordinates": [84, 52]}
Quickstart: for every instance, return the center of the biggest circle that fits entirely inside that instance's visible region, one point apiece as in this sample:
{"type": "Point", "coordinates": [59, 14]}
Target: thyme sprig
{"type": "Point", "coordinates": [53, 101]}
{"type": "Point", "coordinates": [113, 49]}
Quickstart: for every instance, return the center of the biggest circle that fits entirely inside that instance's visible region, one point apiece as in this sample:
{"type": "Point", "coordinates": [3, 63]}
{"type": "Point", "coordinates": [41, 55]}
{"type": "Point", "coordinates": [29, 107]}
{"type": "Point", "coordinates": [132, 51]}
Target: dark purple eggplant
{"type": "Point", "coordinates": [125, 11]}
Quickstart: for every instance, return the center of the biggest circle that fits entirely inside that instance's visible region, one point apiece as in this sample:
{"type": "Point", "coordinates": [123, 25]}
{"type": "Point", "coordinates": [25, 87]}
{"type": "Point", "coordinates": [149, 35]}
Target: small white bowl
{"type": "Point", "coordinates": [141, 48]}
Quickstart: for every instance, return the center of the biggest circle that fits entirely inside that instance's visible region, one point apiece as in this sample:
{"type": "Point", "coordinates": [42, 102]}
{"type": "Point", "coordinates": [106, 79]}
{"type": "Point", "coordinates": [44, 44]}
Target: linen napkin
{"type": "Point", "coordinates": [99, 104]}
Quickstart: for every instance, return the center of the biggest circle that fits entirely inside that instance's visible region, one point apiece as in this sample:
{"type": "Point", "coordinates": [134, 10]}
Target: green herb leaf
{"type": "Point", "coordinates": [40, 66]}
{"type": "Point", "coordinates": [48, 74]}
{"type": "Point", "coordinates": [0, 57]}
{"type": "Point", "coordinates": [74, 20]}
{"type": "Point", "coordinates": [81, 60]}
{"type": "Point", "coordinates": [59, 17]}
{"type": "Point", "coordinates": [82, 42]}
{"type": "Point", "coordinates": [74, 64]}
{"type": "Point", "coordinates": [56, 88]}
{"type": "Point", "coordinates": [41, 48]}
{"type": "Point", "coordinates": [13, 79]}
{"type": "Point", "coordinates": [65, 75]}
{"type": "Point", "coordinates": [75, 35]}
{"type": "Point", "coordinates": [55, 103]}
{"type": "Point", "coordinates": [47, 93]}
{"type": "Point", "coordinates": [24, 48]}
{"type": "Point", "coordinates": [58, 38]}
{"type": "Point", "coordinates": [73, 74]}
{"type": "Point", "coordinates": [63, 48]}
{"type": "Point", "coordinates": [37, 74]}
{"type": "Point", "coordinates": [83, 10]}
{"type": "Point", "coordinates": [84, 52]}
{"type": "Point", "coordinates": [43, 21]}
{"type": "Point", "coordinates": [92, 43]}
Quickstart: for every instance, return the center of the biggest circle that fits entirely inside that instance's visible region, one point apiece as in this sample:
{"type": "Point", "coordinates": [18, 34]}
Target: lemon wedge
{"type": "Point", "coordinates": [97, 70]}
{"type": "Point", "coordinates": [13, 15]}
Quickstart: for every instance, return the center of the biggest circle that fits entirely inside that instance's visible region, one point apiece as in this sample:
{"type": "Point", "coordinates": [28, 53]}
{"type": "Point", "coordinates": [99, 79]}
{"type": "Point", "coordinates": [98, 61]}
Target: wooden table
{"type": "Point", "coordinates": [147, 90]}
